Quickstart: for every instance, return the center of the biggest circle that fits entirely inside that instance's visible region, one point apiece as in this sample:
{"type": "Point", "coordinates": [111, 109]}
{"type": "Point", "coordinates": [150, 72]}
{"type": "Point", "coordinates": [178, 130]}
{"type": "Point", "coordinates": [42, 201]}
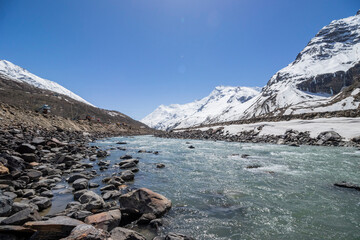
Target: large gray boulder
{"type": "Point", "coordinates": [80, 184]}
{"type": "Point", "coordinates": [144, 201]}
{"type": "Point", "coordinates": [91, 201]}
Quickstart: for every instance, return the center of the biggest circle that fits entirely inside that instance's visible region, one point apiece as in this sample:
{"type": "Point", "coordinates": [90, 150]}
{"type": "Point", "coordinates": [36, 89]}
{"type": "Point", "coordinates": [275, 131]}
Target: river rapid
{"type": "Point", "coordinates": [287, 193]}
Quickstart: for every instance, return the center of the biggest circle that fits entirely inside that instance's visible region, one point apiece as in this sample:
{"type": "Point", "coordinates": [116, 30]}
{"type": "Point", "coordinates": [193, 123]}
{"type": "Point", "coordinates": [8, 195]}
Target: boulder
{"type": "Point", "coordinates": [87, 232]}
{"type": "Point", "coordinates": [75, 177]}
{"type": "Point", "coordinates": [41, 202]}
{"type": "Point", "coordinates": [111, 194]}
{"type": "Point", "coordinates": [329, 136]}
{"type": "Point", "coordinates": [120, 233]}
{"type": "Point", "coordinates": [80, 184]}
{"type": "Point", "coordinates": [144, 201]}
{"type": "Point", "coordinates": [91, 200]}
{"type": "Point", "coordinates": [78, 194]}
{"type": "Point", "coordinates": [127, 175]}
{"type": "Point", "coordinates": [33, 174]}
{"type": "Point", "coordinates": [26, 148]}
{"type": "Point", "coordinates": [54, 228]}
{"type": "Point", "coordinates": [160, 165]}
{"type": "Point", "coordinates": [22, 217]}
{"type": "Point", "coordinates": [5, 205]}
{"type": "Point", "coordinates": [28, 193]}
{"type": "Point", "coordinates": [126, 157]}
{"type": "Point", "coordinates": [105, 220]}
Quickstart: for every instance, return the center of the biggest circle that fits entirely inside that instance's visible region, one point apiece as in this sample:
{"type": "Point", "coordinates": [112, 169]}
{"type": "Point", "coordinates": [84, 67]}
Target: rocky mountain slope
{"type": "Point", "coordinates": [314, 82]}
{"type": "Point", "coordinates": [221, 102]}
{"type": "Point", "coordinates": [20, 74]}
{"type": "Point", "coordinates": [30, 97]}
{"type": "Point", "coordinates": [324, 77]}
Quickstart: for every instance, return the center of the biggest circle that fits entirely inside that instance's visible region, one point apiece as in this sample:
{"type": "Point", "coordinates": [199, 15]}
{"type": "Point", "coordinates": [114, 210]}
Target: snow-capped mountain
{"type": "Point", "coordinates": [222, 103]}
{"type": "Point", "coordinates": [313, 82]}
{"type": "Point", "coordinates": [325, 76]}
{"type": "Point", "coordinates": [17, 73]}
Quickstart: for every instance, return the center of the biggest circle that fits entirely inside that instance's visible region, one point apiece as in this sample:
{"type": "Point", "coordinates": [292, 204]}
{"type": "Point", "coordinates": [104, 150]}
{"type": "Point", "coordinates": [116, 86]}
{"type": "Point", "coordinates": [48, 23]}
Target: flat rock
{"type": "Point", "coordinates": [22, 217]}
{"type": "Point", "coordinates": [144, 201]}
{"type": "Point", "coordinates": [54, 228]}
{"type": "Point", "coordinates": [105, 220]}
{"type": "Point", "coordinates": [120, 233]}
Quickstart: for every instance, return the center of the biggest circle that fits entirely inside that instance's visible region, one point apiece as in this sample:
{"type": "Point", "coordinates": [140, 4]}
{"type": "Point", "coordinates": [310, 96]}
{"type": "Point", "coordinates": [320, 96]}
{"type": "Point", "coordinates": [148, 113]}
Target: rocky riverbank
{"type": "Point", "coordinates": [33, 161]}
{"type": "Point", "coordinates": [290, 137]}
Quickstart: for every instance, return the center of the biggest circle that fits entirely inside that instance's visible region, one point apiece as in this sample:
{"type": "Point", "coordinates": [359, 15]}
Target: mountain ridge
{"type": "Point", "coordinates": [314, 82]}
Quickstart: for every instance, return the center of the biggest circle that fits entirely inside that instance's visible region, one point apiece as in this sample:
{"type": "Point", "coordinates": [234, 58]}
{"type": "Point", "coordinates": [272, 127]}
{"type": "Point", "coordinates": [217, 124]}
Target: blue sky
{"type": "Point", "coordinates": [132, 56]}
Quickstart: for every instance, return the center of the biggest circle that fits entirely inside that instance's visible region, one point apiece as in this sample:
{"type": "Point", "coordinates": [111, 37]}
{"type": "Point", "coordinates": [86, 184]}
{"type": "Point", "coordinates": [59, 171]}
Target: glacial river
{"type": "Point", "coordinates": [216, 196]}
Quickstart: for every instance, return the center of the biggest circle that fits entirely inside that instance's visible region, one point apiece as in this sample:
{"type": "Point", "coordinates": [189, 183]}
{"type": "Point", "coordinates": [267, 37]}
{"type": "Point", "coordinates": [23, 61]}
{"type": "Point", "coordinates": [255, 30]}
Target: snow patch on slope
{"type": "Point", "coordinates": [20, 74]}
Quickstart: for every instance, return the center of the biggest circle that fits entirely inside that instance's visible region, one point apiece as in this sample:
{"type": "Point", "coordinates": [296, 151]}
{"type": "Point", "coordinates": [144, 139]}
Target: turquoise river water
{"type": "Point", "coordinates": [215, 195]}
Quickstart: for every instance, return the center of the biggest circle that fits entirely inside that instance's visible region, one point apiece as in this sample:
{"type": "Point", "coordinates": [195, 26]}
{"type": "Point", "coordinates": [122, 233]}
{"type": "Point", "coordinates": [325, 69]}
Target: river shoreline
{"type": "Point", "coordinates": [36, 164]}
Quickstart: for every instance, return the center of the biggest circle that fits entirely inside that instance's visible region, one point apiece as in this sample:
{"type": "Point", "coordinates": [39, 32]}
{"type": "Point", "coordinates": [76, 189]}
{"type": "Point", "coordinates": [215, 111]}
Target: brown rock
{"type": "Point", "coordinates": [105, 220]}
{"type": "Point", "coordinates": [3, 170]}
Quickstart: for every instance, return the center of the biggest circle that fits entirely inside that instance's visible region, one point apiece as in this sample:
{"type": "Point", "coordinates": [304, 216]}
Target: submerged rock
{"type": "Point", "coordinates": [348, 185]}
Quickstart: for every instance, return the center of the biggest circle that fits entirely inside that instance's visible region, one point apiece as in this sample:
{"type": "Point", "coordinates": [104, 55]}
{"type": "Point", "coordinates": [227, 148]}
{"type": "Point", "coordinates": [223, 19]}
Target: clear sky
{"type": "Point", "coordinates": [133, 55]}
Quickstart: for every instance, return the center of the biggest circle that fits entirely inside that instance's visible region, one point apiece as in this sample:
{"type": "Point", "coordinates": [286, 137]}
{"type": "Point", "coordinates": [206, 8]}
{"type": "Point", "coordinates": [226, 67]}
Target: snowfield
{"type": "Point", "coordinates": [17, 73]}
{"type": "Point", "coordinates": [348, 128]}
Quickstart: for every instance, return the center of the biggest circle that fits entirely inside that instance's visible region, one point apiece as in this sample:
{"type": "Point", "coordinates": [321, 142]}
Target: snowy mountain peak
{"type": "Point", "coordinates": [17, 73]}
{"type": "Point", "coordinates": [321, 70]}
{"type": "Point", "coordinates": [222, 102]}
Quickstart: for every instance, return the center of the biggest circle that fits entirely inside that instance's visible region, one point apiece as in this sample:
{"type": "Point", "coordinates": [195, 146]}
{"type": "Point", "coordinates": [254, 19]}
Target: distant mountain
{"type": "Point", "coordinates": [221, 104]}
{"type": "Point", "coordinates": [324, 77]}
{"type": "Point", "coordinates": [17, 73]}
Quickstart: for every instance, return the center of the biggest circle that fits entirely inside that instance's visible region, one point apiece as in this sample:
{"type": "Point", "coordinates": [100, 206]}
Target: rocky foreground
{"type": "Point", "coordinates": [32, 163]}
{"type": "Point", "coordinates": [290, 137]}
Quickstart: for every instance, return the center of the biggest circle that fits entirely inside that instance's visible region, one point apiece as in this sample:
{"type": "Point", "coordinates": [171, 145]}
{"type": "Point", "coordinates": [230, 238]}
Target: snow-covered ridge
{"type": "Point", "coordinates": [322, 64]}
{"type": "Point", "coordinates": [17, 73]}
{"type": "Point", "coordinates": [222, 103]}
